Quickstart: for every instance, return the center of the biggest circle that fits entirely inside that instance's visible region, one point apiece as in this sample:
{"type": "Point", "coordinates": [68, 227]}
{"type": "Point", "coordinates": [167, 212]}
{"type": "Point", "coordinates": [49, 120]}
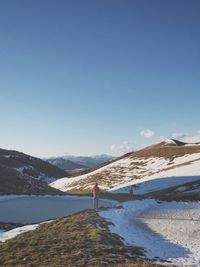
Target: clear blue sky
{"type": "Point", "coordinates": [82, 76]}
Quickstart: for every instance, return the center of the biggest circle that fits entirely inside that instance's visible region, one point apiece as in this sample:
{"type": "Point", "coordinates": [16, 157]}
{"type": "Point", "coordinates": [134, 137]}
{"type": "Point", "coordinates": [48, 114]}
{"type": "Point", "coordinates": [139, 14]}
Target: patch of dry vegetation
{"type": "Point", "coordinates": [11, 182]}
{"type": "Point", "coordinates": [176, 193]}
{"type": "Point", "coordinates": [82, 239]}
{"type": "Point", "coordinates": [167, 152]}
{"type": "Point", "coordinates": [26, 181]}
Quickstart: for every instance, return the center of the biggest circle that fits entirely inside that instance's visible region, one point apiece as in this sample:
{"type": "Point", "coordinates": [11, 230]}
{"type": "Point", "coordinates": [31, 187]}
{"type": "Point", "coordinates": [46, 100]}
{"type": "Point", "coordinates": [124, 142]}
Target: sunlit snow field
{"type": "Point", "coordinates": [166, 230]}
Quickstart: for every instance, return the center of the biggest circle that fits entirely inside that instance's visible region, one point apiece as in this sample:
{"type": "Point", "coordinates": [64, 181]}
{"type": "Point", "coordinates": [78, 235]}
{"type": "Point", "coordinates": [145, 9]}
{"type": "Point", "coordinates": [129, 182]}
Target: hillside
{"type": "Point", "coordinates": [21, 174]}
{"type": "Point", "coordinates": [166, 159]}
{"type": "Point", "coordinates": [82, 239]}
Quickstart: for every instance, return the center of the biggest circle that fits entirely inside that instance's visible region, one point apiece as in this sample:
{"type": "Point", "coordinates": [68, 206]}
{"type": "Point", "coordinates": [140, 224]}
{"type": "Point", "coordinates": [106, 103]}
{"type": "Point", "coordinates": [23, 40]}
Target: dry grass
{"type": "Point", "coordinates": [175, 194]}
{"type": "Point", "coordinates": [168, 152]}
{"type": "Point", "coordinates": [82, 239]}
{"type": "Point", "coordinates": [11, 182]}
{"type": "Point", "coordinates": [25, 182]}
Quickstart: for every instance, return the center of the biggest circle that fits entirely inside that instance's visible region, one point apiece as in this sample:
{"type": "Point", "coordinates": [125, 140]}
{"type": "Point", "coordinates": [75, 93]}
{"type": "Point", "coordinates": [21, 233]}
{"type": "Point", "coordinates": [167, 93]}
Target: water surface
{"type": "Point", "coordinates": [33, 209]}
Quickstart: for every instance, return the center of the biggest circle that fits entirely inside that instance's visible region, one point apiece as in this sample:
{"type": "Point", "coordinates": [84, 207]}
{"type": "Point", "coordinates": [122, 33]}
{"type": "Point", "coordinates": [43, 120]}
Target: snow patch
{"type": "Point", "coordinates": [169, 141]}
{"type": "Point", "coordinates": [14, 232]}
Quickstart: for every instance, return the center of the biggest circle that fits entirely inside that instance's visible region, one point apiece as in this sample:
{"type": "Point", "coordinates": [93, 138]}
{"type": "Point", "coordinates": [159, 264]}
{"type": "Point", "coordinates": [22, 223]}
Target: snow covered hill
{"type": "Point", "coordinates": [168, 163]}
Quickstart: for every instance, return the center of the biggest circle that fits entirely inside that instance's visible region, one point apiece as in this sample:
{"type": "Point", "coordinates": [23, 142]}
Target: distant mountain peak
{"type": "Point", "coordinates": [81, 162]}
{"type": "Point", "coordinates": [65, 164]}
{"type": "Point", "coordinates": [175, 142]}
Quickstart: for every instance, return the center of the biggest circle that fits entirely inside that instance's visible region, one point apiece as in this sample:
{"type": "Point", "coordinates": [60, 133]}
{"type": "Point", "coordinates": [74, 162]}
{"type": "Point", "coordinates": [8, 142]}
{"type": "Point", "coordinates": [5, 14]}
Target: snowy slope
{"type": "Point", "coordinates": [162, 180]}
{"type": "Point", "coordinates": [168, 231]}
{"type": "Point", "coordinates": [155, 162]}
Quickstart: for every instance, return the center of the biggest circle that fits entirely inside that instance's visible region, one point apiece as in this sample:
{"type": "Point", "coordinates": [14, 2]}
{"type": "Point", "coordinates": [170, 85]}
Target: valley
{"type": "Point", "coordinates": [155, 225]}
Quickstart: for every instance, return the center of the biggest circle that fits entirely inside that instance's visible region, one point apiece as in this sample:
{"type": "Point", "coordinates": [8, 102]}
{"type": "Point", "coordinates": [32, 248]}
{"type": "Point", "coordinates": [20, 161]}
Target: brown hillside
{"type": "Point", "coordinates": [11, 182]}
{"type": "Point", "coordinates": [168, 151]}
{"type": "Point", "coordinates": [82, 239]}
{"type": "Point", "coordinates": [15, 159]}
{"type": "Point", "coordinates": [26, 181]}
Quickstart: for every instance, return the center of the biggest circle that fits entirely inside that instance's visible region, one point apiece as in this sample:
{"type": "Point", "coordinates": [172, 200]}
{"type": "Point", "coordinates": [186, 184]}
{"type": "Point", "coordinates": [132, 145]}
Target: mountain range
{"type": "Point", "coordinates": [65, 164]}
{"type": "Point", "coordinates": [91, 161]}
{"type": "Point", "coordinates": [79, 162]}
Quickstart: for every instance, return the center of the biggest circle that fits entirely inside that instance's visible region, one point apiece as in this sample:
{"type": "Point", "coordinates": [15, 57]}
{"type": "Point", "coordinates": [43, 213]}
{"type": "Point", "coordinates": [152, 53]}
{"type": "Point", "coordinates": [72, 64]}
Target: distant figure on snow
{"type": "Point", "coordinates": [95, 192]}
{"type": "Point", "coordinates": [131, 190]}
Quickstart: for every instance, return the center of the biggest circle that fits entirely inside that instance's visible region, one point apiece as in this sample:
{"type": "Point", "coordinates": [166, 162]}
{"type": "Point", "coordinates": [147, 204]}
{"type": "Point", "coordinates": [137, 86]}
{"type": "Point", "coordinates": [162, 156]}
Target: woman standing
{"type": "Point", "coordinates": [95, 192]}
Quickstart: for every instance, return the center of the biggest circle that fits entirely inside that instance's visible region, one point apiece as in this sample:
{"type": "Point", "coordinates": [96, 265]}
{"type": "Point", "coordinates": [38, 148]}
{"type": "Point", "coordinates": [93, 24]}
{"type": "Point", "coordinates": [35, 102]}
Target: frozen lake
{"type": "Point", "coordinates": [34, 209]}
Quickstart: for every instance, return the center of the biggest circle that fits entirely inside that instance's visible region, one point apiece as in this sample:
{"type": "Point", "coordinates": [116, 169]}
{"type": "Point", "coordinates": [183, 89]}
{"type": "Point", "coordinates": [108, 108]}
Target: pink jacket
{"type": "Point", "coordinates": [95, 190]}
